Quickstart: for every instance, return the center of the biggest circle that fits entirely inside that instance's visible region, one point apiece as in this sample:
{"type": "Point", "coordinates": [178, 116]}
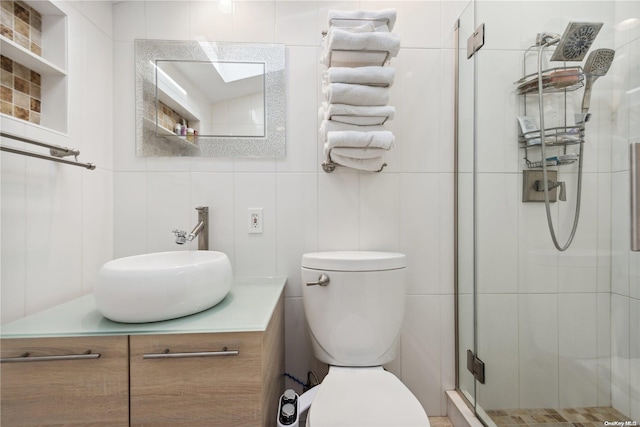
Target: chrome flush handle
{"type": "Point", "coordinates": [323, 280]}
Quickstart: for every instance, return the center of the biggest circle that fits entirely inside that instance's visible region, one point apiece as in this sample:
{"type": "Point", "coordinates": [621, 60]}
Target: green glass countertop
{"type": "Point", "coordinates": [247, 308]}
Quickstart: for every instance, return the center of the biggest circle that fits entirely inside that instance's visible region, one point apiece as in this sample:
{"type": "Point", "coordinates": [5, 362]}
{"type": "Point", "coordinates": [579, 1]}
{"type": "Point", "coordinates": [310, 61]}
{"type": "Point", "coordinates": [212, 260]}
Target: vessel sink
{"type": "Point", "coordinates": [162, 285]}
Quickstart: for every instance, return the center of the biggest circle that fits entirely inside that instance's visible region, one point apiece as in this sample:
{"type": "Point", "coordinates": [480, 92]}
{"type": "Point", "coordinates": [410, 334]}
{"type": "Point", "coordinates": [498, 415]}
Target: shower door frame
{"type": "Point", "coordinates": [471, 401]}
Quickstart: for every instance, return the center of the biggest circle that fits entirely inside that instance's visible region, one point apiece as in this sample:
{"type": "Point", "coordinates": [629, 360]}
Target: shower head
{"type": "Point", "coordinates": [598, 62]}
{"type": "Point", "coordinates": [596, 65]}
{"type": "Point", "coordinates": [576, 41]}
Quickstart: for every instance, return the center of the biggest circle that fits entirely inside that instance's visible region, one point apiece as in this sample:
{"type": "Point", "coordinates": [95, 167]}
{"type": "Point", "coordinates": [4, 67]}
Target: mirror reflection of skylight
{"type": "Point", "coordinates": [233, 71]}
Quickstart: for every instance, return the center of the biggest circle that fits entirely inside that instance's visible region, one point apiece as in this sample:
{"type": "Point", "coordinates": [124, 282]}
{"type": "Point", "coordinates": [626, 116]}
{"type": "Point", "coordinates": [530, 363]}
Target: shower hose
{"type": "Point", "coordinates": [544, 165]}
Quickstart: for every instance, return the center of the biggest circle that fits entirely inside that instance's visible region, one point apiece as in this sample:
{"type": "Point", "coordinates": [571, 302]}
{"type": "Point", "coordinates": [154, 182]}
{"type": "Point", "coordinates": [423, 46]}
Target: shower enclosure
{"type": "Point", "coordinates": [546, 336]}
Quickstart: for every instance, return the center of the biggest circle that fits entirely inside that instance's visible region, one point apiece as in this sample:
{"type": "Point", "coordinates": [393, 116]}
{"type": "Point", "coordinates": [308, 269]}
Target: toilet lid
{"type": "Point", "coordinates": [354, 261]}
{"type": "Point", "coordinates": [365, 397]}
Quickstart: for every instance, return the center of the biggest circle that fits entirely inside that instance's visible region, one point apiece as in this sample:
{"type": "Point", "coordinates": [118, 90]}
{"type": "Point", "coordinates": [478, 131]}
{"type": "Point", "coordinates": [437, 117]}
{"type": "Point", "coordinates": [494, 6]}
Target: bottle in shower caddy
{"type": "Point", "coordinates": [183, 129]}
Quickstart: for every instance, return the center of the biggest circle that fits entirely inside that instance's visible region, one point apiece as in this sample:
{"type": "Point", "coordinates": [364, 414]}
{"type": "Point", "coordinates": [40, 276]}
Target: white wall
{"type": "Point", "coordinates": [406, 208]}
{"type": "Point", "coordinates": [57, 220]}
{"type": "Point", "coordinates": [625, 265]}
{"type": "Point", "coordinates": [240, 116]}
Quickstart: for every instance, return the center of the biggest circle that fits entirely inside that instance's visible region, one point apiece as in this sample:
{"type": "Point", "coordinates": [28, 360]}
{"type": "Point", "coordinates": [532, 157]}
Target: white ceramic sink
{"type": "Point", "coordinates": [161, 286]}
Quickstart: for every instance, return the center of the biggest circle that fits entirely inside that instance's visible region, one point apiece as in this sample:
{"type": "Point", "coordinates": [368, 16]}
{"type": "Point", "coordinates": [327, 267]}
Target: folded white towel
{"type": "Point", "coordinates": [367, 27]}
{"type": "Point", "coordinates": [346, 17]}
{"type": "Point", "coordinates": [371, 165]}
{"type": "Point", "coordinates": [341, 40]}
{"type": "Point", "coordinates": [372, 76]}
{"type": "Point", "coordinates": [356, 153]}
{"type": "Point", "coordinates": [357, 114]}
{"type": "Point", "coordinates": [345, 93]}
{"type": "Point", "coordinates": [331, 126]}
{"type": "Point", "coordinates": [356, 139]}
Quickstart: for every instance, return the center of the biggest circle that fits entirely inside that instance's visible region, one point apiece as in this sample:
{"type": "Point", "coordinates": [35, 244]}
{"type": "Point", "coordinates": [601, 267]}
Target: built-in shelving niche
{"type": "Point", "coordinates": [52, 67]}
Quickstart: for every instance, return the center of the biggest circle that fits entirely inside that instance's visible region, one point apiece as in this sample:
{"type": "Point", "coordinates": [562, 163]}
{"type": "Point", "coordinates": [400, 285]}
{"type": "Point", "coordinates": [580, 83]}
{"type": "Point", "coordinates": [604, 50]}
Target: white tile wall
{"type": "Point", "coordinates": [306, 209]}
{"type": "Point", "coordinates": [577, 338]}
{"type": "Point", "coordinates": [406, 208]}
{"type": "Point", "coordinates": [538, 349]}
{"type": "Point", "coordinates": [57, 220]}
{"type": "Point", "coordinates": [497, 237]}
{"type": "Point", "coordinates": [498, 346]}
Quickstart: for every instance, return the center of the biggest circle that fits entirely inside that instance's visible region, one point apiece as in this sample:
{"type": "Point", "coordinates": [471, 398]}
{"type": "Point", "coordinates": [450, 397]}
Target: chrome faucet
{"type": "Point", "coordinates": [201, 230]}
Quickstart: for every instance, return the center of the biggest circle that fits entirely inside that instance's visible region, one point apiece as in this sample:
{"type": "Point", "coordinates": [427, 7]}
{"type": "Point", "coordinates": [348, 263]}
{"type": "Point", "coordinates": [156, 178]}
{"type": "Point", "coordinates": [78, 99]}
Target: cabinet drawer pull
{"type": "Point", "coordinates": [167, 355]}
{"type": "Point", "coordinates": [26, 357]}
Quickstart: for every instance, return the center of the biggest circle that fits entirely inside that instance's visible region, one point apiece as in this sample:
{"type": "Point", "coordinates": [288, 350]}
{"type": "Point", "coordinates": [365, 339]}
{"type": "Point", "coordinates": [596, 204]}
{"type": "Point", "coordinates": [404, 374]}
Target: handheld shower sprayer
{"type": "Point", "coordinates": [597, 65]}
{"type": "Point", "coordinates": [575, 41]}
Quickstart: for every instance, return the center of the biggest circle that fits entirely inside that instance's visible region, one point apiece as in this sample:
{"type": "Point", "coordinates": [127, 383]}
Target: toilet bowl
{"type": "Point", "coordinates": [354, 306]}
{"type": "Point", "coordinates": [364, 397]}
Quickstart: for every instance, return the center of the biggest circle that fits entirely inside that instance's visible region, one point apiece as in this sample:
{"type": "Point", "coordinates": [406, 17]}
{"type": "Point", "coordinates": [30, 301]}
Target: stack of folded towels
{"type": "Point", "coordinates": [356, 87]}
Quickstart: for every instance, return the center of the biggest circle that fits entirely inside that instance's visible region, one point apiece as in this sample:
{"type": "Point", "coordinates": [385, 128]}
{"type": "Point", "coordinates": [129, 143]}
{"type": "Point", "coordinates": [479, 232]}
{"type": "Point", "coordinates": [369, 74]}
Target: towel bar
{"type": "Point", "coordinates": [57, 152]}
{"type": "Point", "coordinates": [329, 165]}
{"type": "Point", "coordinates": [365, 58]}
{"type": "Point", "coordinates": [384, 21]}
{"type": "Point", "coordinates": [366, 120]}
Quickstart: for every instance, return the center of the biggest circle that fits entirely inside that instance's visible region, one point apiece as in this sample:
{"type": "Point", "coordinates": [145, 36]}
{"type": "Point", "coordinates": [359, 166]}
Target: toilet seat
{"type": "Point", "coordinates": [365, 397]}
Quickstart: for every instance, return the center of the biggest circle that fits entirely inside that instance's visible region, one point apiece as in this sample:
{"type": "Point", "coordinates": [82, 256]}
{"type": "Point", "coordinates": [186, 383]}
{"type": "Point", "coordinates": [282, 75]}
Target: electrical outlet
{"type": "Point", "coordinates": [255, 220]}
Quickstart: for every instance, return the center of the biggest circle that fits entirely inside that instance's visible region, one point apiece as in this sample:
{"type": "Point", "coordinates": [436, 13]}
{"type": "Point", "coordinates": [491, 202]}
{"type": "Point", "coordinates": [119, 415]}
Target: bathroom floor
{"type": "Point", "coordinates": [440, 422]}
{"type": "Point", "coordinates": [566, 417]}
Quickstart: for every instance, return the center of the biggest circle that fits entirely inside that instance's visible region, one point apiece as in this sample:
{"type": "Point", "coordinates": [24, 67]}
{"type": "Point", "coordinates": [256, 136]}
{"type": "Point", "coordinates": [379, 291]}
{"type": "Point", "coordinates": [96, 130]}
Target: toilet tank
{"type": "Point", "coordinates": [356, 319]}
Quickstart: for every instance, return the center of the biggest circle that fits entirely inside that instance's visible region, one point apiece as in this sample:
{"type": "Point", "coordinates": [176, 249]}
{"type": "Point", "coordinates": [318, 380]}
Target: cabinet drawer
{"type": "Point", "coordinates": [60, 390]}
{"type": "Point", "coordinates": [182, 380]}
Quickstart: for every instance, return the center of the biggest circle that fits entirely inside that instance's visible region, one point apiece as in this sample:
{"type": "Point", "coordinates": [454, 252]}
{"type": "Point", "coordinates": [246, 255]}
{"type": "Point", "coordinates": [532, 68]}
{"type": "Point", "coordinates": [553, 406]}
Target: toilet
{"type": "Point", "coordinates": [354, 306]}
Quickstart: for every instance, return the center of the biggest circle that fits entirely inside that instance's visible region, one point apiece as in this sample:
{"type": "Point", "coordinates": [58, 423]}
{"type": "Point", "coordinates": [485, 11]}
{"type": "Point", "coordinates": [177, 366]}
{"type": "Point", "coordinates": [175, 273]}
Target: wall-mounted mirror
{"type": "Point", "coordinates": [210, 99]}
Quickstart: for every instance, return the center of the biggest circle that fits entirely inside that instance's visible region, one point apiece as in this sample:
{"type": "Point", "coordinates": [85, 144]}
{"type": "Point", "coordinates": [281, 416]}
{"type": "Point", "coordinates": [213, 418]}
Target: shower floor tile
{"type": "Point", "coordinates": [566, 417]}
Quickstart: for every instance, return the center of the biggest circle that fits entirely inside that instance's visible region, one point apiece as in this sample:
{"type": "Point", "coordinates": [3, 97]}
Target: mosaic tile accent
{"type": "Point", "coordinates": [22, 24]}
{"type": "Point", "coordinates": [567, 417]}
{"type": "Point", "coordinates": [167, 118]}
{"type": "Point", "coordinates": [20, 91]}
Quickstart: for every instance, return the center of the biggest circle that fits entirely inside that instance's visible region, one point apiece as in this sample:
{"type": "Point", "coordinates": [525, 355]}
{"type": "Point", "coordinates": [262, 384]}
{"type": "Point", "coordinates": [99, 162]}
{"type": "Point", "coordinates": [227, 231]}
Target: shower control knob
{"type": "Point", "coordinates": [288, 414]}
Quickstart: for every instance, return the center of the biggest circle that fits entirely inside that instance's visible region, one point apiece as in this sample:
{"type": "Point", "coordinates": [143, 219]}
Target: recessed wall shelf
{"type": "Point", "coordinates": [179, 140]}
{"type": "Point", "coordinates": [29, 59]}
{"type": "Point", "coordinates": [45, 107]}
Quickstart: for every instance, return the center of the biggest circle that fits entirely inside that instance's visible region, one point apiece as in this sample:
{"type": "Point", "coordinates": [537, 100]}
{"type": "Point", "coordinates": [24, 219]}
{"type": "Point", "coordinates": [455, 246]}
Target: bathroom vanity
{"type": "Point", "coordinates": [69, 365]}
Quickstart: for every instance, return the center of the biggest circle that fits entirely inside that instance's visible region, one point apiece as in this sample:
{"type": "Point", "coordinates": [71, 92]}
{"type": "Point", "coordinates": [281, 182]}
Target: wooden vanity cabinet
{"type": "Point", "coordinates": [183, 380]}
{"type": "Point", "coordinates": [123, 388]}
{"type": "Point", "coordinates": [65, 392]}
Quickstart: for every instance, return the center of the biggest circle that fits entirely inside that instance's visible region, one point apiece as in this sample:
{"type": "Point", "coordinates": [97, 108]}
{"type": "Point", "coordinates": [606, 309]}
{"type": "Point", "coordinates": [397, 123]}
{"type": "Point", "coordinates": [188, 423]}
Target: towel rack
{"type": "Point", "coordinates": [329, 166]}
{"type": "Point", "coordinates": [384, 21]}
{"type": "Point", "coordinates": [57, 152]}
{"type": "Point", "coordinates": [357, 58]}
{"type": "Point", "coordinates": [372, 120]}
